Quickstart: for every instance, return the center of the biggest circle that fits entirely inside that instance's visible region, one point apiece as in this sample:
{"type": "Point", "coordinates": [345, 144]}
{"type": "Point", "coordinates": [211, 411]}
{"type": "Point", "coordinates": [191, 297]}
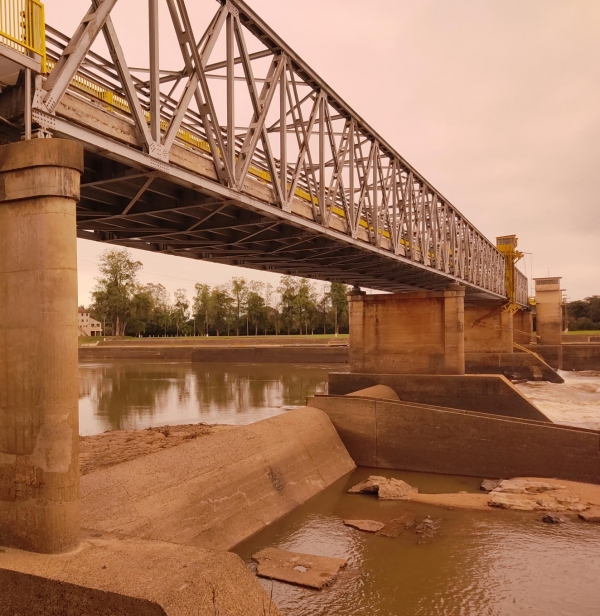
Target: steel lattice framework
{"type": "Point", "coordinates": [245, 156]}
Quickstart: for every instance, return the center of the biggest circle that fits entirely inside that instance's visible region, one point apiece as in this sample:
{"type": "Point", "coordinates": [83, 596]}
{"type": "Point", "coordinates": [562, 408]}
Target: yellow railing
{"type": "Point", "coordinates": [23, 27]}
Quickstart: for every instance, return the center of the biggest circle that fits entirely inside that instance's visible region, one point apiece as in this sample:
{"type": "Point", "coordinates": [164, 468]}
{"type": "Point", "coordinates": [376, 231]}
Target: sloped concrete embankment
{"type": "Point", "coordinates": [421, 437]}
{"type": "Point", "coordinates": [215, 491]}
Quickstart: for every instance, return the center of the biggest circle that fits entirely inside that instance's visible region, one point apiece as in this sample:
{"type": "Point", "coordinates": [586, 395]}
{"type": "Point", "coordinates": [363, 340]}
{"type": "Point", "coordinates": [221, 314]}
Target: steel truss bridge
{"type": "Point", "coordinates": [241, 154]}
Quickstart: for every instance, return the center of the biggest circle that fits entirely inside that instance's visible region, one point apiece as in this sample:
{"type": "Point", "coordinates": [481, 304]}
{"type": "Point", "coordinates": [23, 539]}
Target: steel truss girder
{"type": "Point", "coordinates": [358, 189]}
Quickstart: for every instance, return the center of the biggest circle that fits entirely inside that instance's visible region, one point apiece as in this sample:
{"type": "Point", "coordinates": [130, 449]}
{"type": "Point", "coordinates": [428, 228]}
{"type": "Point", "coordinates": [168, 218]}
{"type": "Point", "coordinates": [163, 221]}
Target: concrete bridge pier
{"type": "Point", "coordinates": [407, 333]}
{"type": "Point", "coordinates": [523, 327]}
{"type": "Point", "coordinates": [488, 328]}
{"type": "Point", "coordinates": [39, 436]}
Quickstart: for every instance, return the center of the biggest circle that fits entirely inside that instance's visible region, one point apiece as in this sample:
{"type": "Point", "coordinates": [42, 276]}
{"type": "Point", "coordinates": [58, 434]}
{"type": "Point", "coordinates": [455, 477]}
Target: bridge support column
{"type": "Point", "coordinates": [408, 333]}
{"type": "Point", "coordinates": [488, 328]}
{"type": "Point", "coordinates": [549, 310]}
{"type": "Point", "coordinates": [523, 327]}
{"type": "Point", "coordinates": [39, 436]}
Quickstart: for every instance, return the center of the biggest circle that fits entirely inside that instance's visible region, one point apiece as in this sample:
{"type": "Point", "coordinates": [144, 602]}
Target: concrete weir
{"type": "Point", "coordinates": [214, 492]}
{"type": "Point", "coordinates": [406, 435]}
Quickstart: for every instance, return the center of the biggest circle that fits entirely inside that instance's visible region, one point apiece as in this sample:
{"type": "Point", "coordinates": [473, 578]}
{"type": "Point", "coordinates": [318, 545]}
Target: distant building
{"type": "Point", "coordinates": [87, 325]}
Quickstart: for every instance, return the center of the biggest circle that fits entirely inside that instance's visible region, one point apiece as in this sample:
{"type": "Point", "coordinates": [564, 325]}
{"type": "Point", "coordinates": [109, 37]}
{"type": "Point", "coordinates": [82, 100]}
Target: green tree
{"type": "Point", "coordinates": [164, 319]}
{"type": "Point", "coordinates": [221, 310]}
{"type": "Point", "coordinates": [202, 306]}
{"type": "Point", "coordinates": [142, 310]}
{"type": "Point", "coordinates": [339, 305]}
{"type": "Point", "coordinates": [305, 304]}
{"type": "Point", "coordinates": [181, 308]}
{"type": "Point", "coordinates": [239, 291]}
{"type": "Point", "coordinates": [288, 292]}
{"type": "Point", "coordinates": [584, 314]}
{"type": "Point", "coordinates": [115, 288]}
{"type": "Point", "coordinates": [256, 310]}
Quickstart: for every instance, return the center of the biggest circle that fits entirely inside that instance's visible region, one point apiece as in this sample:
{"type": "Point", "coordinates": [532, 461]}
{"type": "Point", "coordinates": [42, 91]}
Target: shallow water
{"type": "Point", "coordinates": [134, 394]}
{"type": "Point", "coordinates": [497, 562]}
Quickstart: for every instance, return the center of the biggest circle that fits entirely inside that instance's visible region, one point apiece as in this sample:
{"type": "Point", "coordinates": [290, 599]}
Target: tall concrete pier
{"type": "Point", "coordinates": [408, 333]}
{"type": "Point", "coordinates": [549, 310]}
{"type": "Point", "coordinates": [39, 472]}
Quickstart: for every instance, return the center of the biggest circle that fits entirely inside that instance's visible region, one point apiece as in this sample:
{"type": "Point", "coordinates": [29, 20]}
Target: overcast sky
{"type": "Point", "coordinates": [496, 103]}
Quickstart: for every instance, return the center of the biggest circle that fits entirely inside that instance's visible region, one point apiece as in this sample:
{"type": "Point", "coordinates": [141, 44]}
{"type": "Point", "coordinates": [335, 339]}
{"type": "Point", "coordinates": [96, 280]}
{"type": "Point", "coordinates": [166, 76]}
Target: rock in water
{"type": "Point", "coordinates": [370, 486]}
{"type": "Point", "coordinates": [593, 515]}
{"type": "Point", "coordinates": [369, 526]}
{"type": "Point", "coordinates": [396, 489]}
{"type": "Point", "coordinates": [533, 502]}
{"type": "Point", "coordinates": [386, 489]}
{"type": "Point", "coordinates": [428, 528]}
{"type": "Point", "coordinates": [554, 518]}
{"type": "Point", "coordinates": [487, 485]}
{"type": "Point", "coordinates": [295, 568]}
{"type": "Point", "coordinates": [397, 526]}
{"type": "Point", "coordinates": [524, 486]}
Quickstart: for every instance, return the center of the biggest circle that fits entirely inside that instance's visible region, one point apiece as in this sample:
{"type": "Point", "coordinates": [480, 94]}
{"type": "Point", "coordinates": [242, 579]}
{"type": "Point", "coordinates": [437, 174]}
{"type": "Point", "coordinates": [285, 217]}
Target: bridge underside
{"type": "Point", "coordinates": [139, 208]}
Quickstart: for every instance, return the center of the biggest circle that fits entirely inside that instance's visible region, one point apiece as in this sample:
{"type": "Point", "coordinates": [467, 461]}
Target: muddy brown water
{"type": "Point", "coordinates": [495, 563]}
{"type": "Point", "coordinates": [499, 563]}
{"type": "Point", "coordinates": [137, 394]}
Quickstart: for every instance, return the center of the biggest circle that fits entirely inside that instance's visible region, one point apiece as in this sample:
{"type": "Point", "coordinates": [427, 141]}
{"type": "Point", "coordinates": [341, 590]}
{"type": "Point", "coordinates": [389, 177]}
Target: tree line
{"type": "Point", "coordinates": [584, 314]}
{"type": "Point", "coordinates": [238, 307]}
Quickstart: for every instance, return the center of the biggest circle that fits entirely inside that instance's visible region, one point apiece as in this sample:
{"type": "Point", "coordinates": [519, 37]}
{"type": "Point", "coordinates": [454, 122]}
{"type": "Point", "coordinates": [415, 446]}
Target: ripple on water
{"type": "Point", "coordinates": [500, 563]}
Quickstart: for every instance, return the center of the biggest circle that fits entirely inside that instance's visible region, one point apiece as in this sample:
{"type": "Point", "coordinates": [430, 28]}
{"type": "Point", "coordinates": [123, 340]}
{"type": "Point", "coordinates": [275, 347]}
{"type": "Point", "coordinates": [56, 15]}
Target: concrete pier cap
{"type": "Point", "coordinates": [39, 469]}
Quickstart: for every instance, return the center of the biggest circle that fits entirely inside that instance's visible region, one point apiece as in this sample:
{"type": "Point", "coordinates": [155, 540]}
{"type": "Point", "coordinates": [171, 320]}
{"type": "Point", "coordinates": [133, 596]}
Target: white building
{"type": "Point", "coordinates": [87, 325]}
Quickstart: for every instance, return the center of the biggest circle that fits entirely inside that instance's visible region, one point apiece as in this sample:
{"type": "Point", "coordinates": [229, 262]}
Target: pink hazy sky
{"type": "Point", "coordinates": [496, 103]}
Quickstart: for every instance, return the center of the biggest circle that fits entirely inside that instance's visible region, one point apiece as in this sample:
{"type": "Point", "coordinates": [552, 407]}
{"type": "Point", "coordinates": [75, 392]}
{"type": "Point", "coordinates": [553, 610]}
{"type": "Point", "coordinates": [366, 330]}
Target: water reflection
{"type": "Point", "coordinates": [128, 394]}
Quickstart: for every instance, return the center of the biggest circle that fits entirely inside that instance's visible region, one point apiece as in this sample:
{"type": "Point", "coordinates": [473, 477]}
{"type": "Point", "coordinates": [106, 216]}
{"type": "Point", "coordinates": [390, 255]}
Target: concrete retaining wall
{"type": "Point", "coordinates": [415, 437]}
{"type": "Point", "coordinates": [570, 356]}
{"type": "Point", "coordinates": [512, 365]}
{"type": "Point", "coordinates": [334, 354]}
{"type": "Point", "coordinates": [275, 354]}
{"type": "Point", "coordinates": [579, 338]}
{"type": "Point", "coordinates": [215, 491]}
{"type": "Point", "coordinates": [491, 394]}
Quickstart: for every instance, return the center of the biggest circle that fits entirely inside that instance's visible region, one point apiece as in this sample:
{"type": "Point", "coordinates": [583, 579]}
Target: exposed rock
{"type": "Point", "coordinates": [487, 485]}
{"type": "Point", "coordinates": [554, 518]}
{"type": "Point", "coordinates": [369, 526]}
{"type": "Point", "coordinates": [524, 486]}
{"type": "Point", "coordinates": [369, 486]}
{"type": "Point", "coordinates": [396, 489]}
{"type": "Point", "coordinates": [593, 515]}
{"type": "Point", "coordinates": [386, 489]}
{"type": "Point", "coordinates": [428, 528]}
{"type": "Point", "coordinates": [531, 502]}
{"type": "Point", "coordinates": [397, 526]}
{"type": "Point", "coordinates": [295, 568]}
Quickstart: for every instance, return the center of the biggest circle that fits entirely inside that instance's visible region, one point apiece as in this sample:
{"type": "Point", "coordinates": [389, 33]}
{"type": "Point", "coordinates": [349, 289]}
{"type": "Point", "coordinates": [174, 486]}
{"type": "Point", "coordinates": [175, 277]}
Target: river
{"type": "Point", "coordinates": [496, 563]}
